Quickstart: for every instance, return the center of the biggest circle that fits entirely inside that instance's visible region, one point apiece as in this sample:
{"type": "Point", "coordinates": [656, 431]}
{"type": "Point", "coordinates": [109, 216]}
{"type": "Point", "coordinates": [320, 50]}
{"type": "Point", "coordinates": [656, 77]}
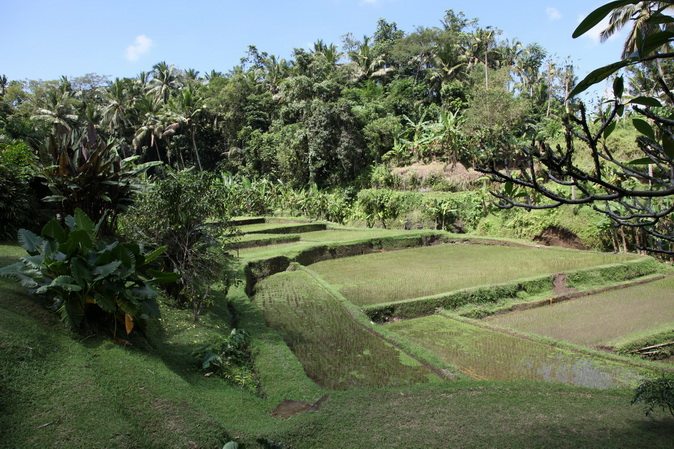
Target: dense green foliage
{"type": "Point", "coordinates": [174, 213]}
{"type": "Point", "coordinates": [78, 270]}
{"type": "Point", "coordinates": [323, 116]}
{"type": "Point", "coordinates": [633, 192]}
{"type": "Point", "coordinates": [17, 165]}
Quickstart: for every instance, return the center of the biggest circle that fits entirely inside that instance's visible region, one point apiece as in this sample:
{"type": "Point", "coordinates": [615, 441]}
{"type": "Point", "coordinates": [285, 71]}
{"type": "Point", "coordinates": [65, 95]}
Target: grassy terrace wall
{"type": "Point", "coordinates": [427, 305]}
{"type": "Point", "coordinates": [256, 240]}
{"type": "Point", "coordinates": [656, 346]}
{"type": "Point", "coordinates": [290, 228]}
{"type": "Point", "coordinates": [242, 221]}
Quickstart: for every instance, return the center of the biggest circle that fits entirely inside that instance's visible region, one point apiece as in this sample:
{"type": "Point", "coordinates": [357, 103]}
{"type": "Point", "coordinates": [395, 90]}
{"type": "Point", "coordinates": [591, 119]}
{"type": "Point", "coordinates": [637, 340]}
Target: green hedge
{"type": "Point", "coordinates": [428, 305]}
{"type": "Point", "coordinates": [608, 274]}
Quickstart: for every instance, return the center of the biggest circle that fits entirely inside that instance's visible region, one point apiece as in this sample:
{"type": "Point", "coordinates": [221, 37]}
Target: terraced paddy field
{"type": "Point", "coordinates": [335, 350]}
{"type": "Point", "coordinates": [605, 319]}
{"type": "Point", "coordinates": [486, 354]}
{"type": "Point", "coordinates": [411, 273]}
{"type": "Point", "coordinates": [94, 393]}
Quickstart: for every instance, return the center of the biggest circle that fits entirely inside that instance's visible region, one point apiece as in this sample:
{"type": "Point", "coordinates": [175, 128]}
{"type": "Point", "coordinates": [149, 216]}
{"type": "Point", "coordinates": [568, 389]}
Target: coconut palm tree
{"type": "Point", "coordinates": [330, 52]}
{"type": "Point", "coordinates": [638, 13]}
{"type": "Point", "coordinates": [191, 75]}
{"type": "Point", "coordinates": [116, 113]}
{"type": "Point", "coordinates": [153, 126]}
{"type": "Point", "coordinates": [365, 58]}
{"type": "Point", "coordinates": [3, 85]}
{"type": "Point", "coordinates": [184, 109]}
{"type": "Point", "coordinates": [213, 74]}
{"type": "Point", "coordinates": [164, 81]}
{"type": "Point", "coordinates": [59, 109]}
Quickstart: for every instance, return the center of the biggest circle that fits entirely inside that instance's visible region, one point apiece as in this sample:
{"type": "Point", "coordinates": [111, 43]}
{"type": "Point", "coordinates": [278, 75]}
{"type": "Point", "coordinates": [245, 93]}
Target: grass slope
{"type": "Point", "coordinates": [411, 273]}
{"type": "Point", "coordinates": [604, 319]}
{"type": "Point", "coordinates": [335, 350]}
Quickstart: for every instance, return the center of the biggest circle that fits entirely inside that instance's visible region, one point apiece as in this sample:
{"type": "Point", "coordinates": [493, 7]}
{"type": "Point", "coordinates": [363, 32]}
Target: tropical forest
{"type": "Point", "coordinates": [431, 237]}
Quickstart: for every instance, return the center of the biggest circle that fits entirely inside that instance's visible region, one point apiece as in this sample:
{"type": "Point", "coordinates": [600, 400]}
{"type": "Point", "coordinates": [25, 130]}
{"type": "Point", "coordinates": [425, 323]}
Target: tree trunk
{"type": "Point", "coordinates": [623, 238]}
{"type": "Point", "coordinates": [486, 67]}
{"type": "Point", "coordinates": [194, 147]}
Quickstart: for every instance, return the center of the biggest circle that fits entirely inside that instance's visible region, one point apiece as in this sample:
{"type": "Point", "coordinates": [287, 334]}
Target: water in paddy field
{"type": "Point", "coordinates": [491, 355]}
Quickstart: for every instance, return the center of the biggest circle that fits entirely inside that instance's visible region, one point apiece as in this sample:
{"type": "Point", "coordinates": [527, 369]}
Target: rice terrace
{"type": "Point", "coordinates": [430, 235]}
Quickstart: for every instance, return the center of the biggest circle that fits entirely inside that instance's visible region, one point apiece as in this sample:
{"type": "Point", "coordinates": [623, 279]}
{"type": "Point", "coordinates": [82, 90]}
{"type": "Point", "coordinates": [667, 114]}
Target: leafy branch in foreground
{"type": "Point", "coordinates": [88, 277]}
{"type": "Point", "coordinates": [636, 193]}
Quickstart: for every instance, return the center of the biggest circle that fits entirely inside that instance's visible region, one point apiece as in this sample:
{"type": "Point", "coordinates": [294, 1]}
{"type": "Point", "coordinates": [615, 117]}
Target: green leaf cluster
{"type": "Point", "coordinates": [79, 271]}
{"type": "Point", "coordinates": [656, 393]}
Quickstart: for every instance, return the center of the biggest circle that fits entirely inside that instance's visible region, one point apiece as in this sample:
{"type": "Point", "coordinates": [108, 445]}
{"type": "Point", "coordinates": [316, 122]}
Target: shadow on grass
{"type": "Point", "coordinates": [174, 339]}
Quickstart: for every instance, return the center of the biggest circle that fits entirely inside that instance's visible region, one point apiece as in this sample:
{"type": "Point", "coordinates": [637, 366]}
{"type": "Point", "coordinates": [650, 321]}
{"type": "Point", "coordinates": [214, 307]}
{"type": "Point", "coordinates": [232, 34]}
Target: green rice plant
{"type": "Point", "coordinates": [490, 355]}
{"type": "Point", "coordinates": [602, 319]}
{"type": "Point", "coordinates": [412, 273]}
{"type": "Point", "coordinates": [334, 349]}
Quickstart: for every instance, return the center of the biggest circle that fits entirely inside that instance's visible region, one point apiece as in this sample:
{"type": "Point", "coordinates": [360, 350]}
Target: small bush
{"type": "Point", "coordinates": [441, 211]}
{"type": "Point", "coordinates": [242, 196]}
{"type": "Point", "coordinates": [381, 177]}
{"type": "Point", "coordinates": [656, 393]}
{"type": "Point", "coordinates": [384, 205]}
{"type": "Point", "coordinates": [80, 271]}
{"type": "Point", "coordinates": [231, 358]}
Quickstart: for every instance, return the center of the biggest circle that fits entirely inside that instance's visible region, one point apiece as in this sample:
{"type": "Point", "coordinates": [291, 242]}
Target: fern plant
{"type": "Point", "coordinates": [86, 276]}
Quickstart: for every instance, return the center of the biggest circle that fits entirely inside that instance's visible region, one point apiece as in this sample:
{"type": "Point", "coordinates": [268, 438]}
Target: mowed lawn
{"type": "Point", "coordinates": [334, 349]}
{"type": "Point", "coordinates": [487, 354]}
{"type": "Point", "coordinates": [603, 319]}
{"type": "Point", "coordinates": [411, 273]}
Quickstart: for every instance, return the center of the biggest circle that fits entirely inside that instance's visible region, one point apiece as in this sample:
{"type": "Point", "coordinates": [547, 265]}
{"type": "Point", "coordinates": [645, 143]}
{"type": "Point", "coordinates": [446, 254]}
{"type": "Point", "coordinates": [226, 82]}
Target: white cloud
{"type": "Point", "coordinates": [141, 45]}
{"type": "Point", "coordinates": [553, 13]}
{"type": "Point", "coordinates": [369, 2]}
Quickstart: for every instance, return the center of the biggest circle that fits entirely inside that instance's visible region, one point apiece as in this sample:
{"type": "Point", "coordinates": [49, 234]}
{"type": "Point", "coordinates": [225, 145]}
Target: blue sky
{"type": "Point", "coordinates": [43, 39]}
